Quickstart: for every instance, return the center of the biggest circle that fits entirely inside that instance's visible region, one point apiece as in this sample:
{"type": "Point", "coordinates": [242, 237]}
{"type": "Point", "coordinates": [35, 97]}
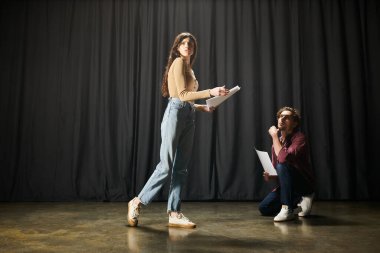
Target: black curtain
{"type": "Point", "coordinates": [80, 102]}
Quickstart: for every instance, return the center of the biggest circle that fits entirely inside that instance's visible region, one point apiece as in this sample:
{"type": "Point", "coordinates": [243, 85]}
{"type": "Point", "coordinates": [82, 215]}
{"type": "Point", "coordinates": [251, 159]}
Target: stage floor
{"type": "Point", "coordinates": [221, 227]}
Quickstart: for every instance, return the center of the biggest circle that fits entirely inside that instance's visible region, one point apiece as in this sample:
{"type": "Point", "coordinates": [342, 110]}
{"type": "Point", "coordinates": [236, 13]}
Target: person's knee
{"type": "Point", "coordinates": [162, 170]}
{"type": "Point", "coordinates": [264, 210]}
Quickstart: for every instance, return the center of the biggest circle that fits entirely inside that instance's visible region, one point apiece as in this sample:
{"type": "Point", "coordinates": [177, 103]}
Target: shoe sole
{"type": "Point", "coordinates": [284, 220]}
{"type": "Point", "coordinates": [172, 225]}
{"type": "Point", "coordinates": [303, 214]}
{"type": "Point", "coordinates": [132, 223]}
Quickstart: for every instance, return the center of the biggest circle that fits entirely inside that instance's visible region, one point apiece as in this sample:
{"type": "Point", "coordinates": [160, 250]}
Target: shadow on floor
{"type": "Point", "coordinates": [321, 220]}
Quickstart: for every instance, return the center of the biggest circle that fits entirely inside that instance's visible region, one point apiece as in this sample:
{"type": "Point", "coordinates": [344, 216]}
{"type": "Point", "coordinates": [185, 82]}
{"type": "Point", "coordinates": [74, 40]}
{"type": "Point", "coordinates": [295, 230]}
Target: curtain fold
{"type": "Point", "coordinates": [81, 108]}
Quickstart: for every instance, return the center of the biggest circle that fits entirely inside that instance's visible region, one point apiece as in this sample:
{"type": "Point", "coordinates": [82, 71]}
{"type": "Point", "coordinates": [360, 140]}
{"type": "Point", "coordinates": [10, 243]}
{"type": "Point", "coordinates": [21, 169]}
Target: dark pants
{"type": "Point", "coordinates": [292, 187]}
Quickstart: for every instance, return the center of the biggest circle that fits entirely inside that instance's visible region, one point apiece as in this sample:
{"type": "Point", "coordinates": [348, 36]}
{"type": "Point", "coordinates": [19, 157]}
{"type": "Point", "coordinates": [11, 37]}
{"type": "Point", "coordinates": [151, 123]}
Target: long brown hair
{"type": "Point", "coordinates": [175, 54]}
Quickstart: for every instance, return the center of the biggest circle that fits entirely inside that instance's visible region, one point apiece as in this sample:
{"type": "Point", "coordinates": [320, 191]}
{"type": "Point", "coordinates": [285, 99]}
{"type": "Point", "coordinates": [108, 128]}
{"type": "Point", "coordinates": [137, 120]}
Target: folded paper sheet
{"type": "Point", "coordinates": [215, 101]}
{"type": "Point", "coordinates": [266, 162]}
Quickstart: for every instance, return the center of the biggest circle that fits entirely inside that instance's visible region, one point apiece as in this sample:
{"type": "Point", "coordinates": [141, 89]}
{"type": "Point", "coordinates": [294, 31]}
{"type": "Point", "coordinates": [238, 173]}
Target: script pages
{"type": "Point", "coordinates": [215, 101]}
{"type": "Point", "coordinates": [266, 162]}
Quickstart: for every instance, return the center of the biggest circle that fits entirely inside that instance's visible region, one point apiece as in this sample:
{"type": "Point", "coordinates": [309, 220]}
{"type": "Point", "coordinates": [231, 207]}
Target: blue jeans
{"type": "Point", "coordinates": [292, 187]}
{"type": "Point", "coordinates": [177, 134]}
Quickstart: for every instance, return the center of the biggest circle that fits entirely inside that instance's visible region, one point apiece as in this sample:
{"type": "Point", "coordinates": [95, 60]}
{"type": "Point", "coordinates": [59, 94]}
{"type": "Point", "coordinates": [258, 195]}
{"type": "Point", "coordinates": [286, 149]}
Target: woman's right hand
{"type": "Point", "coordinates": [219, 91]}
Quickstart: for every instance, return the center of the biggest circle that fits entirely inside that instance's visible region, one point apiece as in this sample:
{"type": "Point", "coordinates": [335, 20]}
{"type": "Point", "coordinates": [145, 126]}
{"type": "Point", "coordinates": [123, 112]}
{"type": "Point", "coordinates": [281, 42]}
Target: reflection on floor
{"type": "Point", "coordinates": [221, 227]}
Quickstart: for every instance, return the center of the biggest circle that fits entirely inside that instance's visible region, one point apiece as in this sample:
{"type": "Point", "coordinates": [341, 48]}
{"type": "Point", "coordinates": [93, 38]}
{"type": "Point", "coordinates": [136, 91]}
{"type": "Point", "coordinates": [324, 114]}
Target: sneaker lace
{"type": "Point", "coordinates": [182, 217]}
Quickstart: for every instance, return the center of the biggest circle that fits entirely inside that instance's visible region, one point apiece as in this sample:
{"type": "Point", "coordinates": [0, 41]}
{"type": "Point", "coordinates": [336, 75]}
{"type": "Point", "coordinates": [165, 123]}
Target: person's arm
{"type": "Point", "coordinates": [273, 131]}
{"type": "Point", "coordinates": [180, 82]}
{"type": "Point", "coordinates": [296, 148]}
{"type": "Point", "coordinates": [185, 95]}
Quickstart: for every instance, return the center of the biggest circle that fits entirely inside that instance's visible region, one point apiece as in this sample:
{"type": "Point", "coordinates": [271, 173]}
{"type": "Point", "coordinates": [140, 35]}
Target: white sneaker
{"type": "Point", "coordinates": [133, 213]}
{"type": "Point", "coordinates": [180, 221]}
{"type": "Point", "coordinates": [305, 205]}
{"type": "Point", "coordinates": [285, 214]}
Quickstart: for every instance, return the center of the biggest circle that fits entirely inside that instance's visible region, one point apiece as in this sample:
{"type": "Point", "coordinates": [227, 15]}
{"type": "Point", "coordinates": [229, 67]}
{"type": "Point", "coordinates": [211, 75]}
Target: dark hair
{"type": "Point", "coordinates": [295, 114]}
{"type": "Point", "coordinates": [175, 54]}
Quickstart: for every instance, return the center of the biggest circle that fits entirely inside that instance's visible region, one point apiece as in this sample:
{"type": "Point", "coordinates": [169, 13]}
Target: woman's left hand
{"type": "Point", "coordinates": [205, 108]}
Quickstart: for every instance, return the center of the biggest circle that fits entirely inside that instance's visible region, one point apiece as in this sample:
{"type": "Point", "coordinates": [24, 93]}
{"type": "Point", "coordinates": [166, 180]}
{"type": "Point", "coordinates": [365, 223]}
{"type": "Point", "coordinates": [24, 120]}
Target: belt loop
{"type": "Point", "coordinates": [192, 107]}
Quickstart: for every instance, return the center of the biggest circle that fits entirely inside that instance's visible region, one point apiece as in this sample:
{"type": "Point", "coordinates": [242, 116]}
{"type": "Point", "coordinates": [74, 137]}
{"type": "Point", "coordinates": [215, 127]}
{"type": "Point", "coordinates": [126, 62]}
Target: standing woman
{"type": "Point", "coordinates": [177, 130]}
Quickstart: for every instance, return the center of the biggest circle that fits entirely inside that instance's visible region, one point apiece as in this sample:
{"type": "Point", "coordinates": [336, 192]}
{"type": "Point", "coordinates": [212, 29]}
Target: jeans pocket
{"type": "Point", "coordinates": [177, 104]}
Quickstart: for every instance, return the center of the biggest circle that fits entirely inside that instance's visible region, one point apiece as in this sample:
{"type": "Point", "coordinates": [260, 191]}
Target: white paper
{"type": "Point", "coordinates": [266, 162]}
{"type": "Point", "coordinates": [215, 101]}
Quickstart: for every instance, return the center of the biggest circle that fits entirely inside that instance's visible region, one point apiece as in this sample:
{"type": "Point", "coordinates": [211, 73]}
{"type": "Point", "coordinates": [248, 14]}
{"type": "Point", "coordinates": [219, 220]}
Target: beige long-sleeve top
{"type": "Point", "coordinates": [177, 83]}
